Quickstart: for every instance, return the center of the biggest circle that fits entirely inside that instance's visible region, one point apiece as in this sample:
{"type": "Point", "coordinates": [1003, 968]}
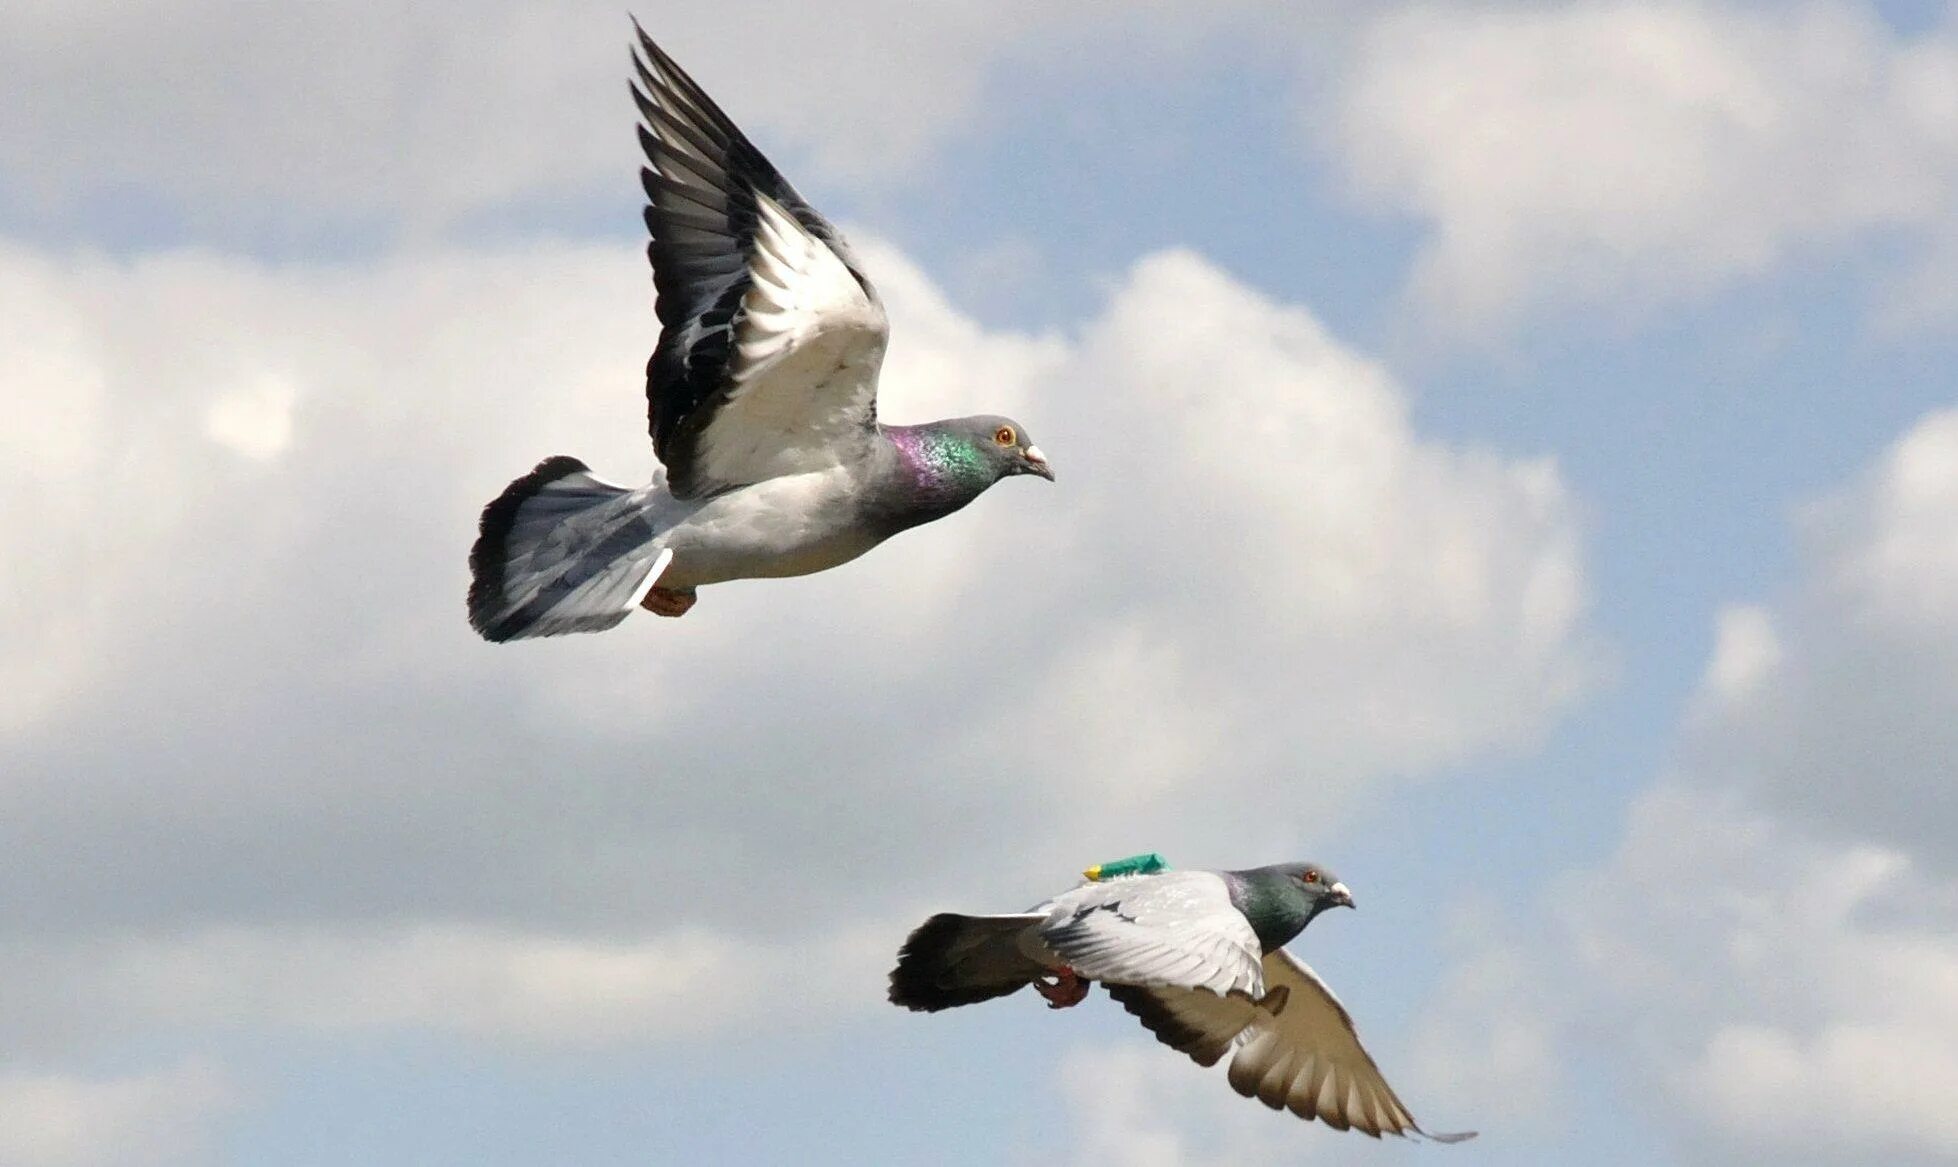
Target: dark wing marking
{"type": "Point", "coordinates": [771, 337]}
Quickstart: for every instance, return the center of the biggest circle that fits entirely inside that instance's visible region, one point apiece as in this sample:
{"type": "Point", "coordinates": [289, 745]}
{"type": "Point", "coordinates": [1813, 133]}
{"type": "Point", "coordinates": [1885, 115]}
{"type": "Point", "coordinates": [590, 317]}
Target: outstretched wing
{"type": "Point", "coordinates": [1178, 929]}
{"type": "Point", "coordinates": [771, 338]}
{"type": "Point", "coordinates": [1296, 1047]}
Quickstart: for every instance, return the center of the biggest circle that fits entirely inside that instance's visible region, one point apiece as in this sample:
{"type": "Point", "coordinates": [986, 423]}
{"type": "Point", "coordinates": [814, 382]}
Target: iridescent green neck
{"type": "Point", "coordinates": [943, 468]}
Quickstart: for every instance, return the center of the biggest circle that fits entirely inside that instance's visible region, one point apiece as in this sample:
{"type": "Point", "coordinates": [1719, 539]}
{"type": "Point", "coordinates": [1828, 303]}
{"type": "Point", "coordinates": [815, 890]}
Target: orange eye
{"type": "Point", "coordinates": [1004, 435]}
{"type": "Point", "coordinates": [1311, 876]}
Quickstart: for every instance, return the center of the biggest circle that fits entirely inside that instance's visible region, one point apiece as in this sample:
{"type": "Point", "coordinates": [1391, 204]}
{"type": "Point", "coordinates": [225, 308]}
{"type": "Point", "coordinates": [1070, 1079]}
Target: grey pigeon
{"type": "Point", "coordinates": [762, 402]}
{"type": "Point", "coordinates": [1199, 957]}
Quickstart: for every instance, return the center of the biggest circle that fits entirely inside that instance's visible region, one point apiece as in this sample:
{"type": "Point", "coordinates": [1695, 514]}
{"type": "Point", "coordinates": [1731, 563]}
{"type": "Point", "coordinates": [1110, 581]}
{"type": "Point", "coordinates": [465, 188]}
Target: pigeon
{"type": "Point", "coordinates": [762, 405]}
{"type": "Point", "coordinates": [1199, 958]}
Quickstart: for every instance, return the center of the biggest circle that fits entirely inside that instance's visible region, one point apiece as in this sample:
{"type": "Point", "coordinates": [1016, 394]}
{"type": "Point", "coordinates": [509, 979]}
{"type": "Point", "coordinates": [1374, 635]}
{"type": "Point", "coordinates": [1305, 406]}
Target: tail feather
{"type": "Point", "coordinates": [560, 551]}
{"type": "Point", "coordinates": [953, 960]}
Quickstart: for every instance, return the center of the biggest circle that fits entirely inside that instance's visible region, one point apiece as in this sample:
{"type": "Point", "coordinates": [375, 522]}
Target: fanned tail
{"type": "Point", "coordinates": [953, 960]}
{"type": "Point", "coordinates": [561, 551]}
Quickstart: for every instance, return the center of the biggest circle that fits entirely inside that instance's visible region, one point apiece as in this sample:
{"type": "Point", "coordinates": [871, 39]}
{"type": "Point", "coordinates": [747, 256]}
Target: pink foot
{"type": "Point", "coordinates": [663, 602]}
{"type": "Point", "coordinates": [1067, 990]}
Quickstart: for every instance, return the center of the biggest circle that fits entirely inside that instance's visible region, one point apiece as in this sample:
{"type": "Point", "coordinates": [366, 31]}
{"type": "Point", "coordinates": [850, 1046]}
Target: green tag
{"type": "Point", "coordinates": [1148, 863]}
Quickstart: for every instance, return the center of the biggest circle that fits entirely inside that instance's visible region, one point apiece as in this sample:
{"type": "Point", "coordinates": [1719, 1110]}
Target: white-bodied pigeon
{"type": "Point", "coordinates": [1199, 957]}
{"type": "Point", "coordinates": [762, 402]}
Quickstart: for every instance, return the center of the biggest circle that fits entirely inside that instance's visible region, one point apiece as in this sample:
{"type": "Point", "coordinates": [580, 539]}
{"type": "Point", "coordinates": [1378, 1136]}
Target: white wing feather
{"type": "Point", "coordinates": [1175, 929]}
{"type": "Point", "coordinates": [803, 382]}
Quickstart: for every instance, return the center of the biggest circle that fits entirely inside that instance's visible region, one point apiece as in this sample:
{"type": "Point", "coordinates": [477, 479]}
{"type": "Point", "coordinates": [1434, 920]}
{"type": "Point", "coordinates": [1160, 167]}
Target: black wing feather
{"type": "Point", "coordinates": [701, 181]}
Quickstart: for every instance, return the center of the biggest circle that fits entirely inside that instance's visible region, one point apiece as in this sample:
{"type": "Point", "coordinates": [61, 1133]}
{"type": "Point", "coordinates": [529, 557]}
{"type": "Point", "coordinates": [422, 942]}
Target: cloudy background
{"type": "Point", "coordinates": [1508, 452]}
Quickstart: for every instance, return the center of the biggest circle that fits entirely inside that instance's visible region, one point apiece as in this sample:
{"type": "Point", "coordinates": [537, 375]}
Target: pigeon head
{"type": "Point", "coordinates": [1282, 899]}
{"type": "Point", "coordinates": [991, 447]}
{"type": "Point", "coordinates": [943, 465]}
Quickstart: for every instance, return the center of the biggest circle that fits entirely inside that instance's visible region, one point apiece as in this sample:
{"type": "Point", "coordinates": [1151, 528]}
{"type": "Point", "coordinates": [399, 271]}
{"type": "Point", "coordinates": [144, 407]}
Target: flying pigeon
{"type": "Point", "coordinates": [762, 397]}
{"type": "Point", "coordinates": [1199, 957]}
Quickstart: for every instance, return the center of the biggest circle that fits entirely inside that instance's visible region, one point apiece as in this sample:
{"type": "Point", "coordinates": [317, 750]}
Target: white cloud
{"type": "Point", "coordinates": [1146, 1106]}
{"type": "Point", "coordinates": [1283, 548]}
{"type": "Point", "coordinates": [1848, 717]}
{"type": "Point", "coordinates": [1619, 155]}
{"type": "Point", "coordinates": [336, 113]}
{"type": "Point", "coordinates": [479, 981]}
{"type": "Point", "coordinates": [1746, 651]}
{"type": "Point", "coordinates": [1771, 948]}
{"type": "Point", "coordinates": [272, 732]}
{"type": "Point", "coordinates": [1485, 1049]}
{"type": "Point", "coordinates": [1888, 1088]}
{"type": "Point", "coordinates": [60, 1120]}
{"type": "Point", "coordinates": [255, 421]}
{"type": "Point", "coordinates": [1893, 540]}
{"type": "Point", "coordinates": [51, 442]}
{"type": "Point", "coordinates": [1775, 992]}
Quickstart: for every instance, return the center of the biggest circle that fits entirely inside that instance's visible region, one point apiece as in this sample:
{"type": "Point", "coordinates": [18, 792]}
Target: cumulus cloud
{"type": "Point", "coordinates": [1620, 155]}
{"type": "Point", "coordinates": [1486, 1045]}
{"type": "Point", "coordinates": [1777, 992]}
{"type": "Point", "coordinates": [1839, 706]}
{"type": "Point", "coordinates": [1275, 543]}
{"type": "Point", "coordinates": [61, 1120]}
{"type": "Point", "coordinates": [494, 984]}
{"type": "Point", "coordinates": [328, 115]}
{"type": "Point", "coordinates": [1150, 1107]}
{"type": "Point", "coordinates": [1771, 946]}
{"type": "Point", "coordinates": [272, 744]}
{"type": "Point", "coordinates": [347, 110]}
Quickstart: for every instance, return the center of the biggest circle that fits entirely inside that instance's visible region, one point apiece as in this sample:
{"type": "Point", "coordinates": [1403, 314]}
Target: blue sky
{"type": "Point", "coordinates": [1505, 453]}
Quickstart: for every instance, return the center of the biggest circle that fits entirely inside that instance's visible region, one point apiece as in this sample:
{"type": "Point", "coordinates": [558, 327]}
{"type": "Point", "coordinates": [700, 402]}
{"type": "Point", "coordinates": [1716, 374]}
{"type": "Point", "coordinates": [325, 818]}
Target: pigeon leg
{"type": "Point", "coordinates": [669, 602]}
{"type": "Point", "coordinates": [1067, 990]}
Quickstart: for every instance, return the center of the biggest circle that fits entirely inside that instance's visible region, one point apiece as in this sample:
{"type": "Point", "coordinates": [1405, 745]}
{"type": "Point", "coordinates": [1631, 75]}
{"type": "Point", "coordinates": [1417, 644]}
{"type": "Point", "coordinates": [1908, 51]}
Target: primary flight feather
{"type": "Point", "coordinates": [1199, 958]}
{"type": "Point", "coordinates": [761, 399]}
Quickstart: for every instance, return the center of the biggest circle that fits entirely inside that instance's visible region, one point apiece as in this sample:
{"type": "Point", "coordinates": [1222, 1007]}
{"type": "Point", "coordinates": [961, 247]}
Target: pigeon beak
{"type": "Point", "coordinates": [1032, 461]}
{"type": "Point", "coordinates": [1338, 894]}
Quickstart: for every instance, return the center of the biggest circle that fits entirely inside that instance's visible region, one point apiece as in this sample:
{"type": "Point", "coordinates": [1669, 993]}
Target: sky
{"type": "Point", "coordinates": [1507, 453]}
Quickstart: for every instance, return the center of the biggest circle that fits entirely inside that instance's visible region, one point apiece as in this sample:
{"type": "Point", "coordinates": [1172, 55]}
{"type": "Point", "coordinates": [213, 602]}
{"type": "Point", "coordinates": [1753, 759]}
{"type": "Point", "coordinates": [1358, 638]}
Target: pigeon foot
{"type": "Point", "coordinates": [1067, 990]}
{"type": "Point", "coordinates": [665, 602]}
